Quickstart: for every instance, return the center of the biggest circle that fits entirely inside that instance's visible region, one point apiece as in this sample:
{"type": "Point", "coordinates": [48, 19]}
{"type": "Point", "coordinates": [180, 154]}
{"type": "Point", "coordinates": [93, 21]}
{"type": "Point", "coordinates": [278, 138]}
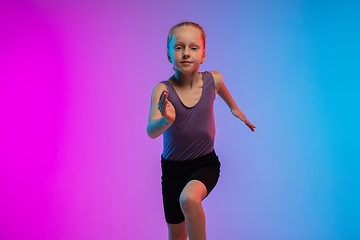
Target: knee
{"type": "Point", "coordinates": [189, 203]}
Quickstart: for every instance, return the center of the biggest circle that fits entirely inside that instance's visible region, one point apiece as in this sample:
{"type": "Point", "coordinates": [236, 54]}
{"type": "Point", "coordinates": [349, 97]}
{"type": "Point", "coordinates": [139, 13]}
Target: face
{"type": "Point", "coordinates": [186, 49]}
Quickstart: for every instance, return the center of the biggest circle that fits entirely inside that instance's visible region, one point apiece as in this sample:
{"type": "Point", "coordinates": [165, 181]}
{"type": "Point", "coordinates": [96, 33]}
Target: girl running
{"type": "Point", "coordinates": [182, 110]}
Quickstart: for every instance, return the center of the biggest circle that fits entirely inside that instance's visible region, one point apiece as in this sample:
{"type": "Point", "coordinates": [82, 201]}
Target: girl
{"type": "Point", "coordinates": [182, 110]}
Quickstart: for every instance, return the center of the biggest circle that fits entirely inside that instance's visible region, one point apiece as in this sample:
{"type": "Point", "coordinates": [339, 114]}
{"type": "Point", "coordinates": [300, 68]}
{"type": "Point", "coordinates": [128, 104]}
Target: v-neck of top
{"type": "Point", "coordinates": [202, 94]}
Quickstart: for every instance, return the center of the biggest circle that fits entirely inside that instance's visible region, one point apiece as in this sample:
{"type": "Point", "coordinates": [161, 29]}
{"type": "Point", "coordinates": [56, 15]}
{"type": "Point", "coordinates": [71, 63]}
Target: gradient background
{"type": "Point", "coordinates": [75, 85]}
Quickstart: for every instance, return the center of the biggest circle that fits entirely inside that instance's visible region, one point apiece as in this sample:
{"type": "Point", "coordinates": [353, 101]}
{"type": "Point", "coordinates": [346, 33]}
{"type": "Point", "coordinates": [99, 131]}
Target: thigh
{"type": "Point", "coordinates": [208, 176]}
{"type": "Point", "coordinates": [171, 191]}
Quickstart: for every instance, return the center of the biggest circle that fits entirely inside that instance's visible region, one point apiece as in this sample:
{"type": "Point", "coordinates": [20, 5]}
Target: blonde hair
{"type": "Point", "coordinates": [171, 33]}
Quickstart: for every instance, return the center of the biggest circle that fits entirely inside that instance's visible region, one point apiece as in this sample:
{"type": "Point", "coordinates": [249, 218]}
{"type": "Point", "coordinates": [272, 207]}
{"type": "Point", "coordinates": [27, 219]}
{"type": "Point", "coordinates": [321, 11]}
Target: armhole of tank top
{"type": "Point", "coordinates": [213, 83]}
{"type": "Point", "coordinates": [165, 84]}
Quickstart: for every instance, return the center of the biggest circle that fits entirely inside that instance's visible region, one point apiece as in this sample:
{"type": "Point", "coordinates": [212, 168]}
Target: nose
{"type": "Point", "coordinates": [186, 52]}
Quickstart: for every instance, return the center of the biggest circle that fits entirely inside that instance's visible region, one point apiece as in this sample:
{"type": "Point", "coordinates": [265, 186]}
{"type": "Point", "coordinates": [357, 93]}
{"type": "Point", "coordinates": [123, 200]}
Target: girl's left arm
{"type": "Point", "coordinates": [224, 93]}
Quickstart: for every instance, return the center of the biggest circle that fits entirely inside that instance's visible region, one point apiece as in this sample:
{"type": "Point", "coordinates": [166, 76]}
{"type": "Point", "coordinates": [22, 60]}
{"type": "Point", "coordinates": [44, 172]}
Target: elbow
{"type": "Point", "coordinates": [152, 136]}
{"type": "Point", "coordinates": [150, 133]}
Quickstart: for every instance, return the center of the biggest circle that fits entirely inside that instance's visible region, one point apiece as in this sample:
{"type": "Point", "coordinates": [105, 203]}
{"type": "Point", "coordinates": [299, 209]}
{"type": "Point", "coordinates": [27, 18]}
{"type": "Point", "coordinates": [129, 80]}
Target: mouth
{"type": "Point", "coordinates": [185, 62]}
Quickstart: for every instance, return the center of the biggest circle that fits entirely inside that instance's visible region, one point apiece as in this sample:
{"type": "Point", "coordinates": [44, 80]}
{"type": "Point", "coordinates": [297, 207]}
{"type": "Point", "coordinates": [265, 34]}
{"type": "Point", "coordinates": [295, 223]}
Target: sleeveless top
{"type": "Point", "coordinates": [193, 131]}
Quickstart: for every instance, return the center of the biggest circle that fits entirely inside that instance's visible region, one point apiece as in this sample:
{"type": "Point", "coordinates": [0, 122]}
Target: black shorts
{"type": "Point", "coordinates": [175, 176]}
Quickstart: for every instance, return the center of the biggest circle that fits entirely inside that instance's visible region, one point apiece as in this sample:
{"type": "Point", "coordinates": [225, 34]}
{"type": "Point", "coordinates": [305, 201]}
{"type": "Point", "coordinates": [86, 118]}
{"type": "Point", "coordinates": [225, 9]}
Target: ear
{"type": "Point", "coordinates": [203, 58]}
{"type": "Point", "coordinates": [169, 58]}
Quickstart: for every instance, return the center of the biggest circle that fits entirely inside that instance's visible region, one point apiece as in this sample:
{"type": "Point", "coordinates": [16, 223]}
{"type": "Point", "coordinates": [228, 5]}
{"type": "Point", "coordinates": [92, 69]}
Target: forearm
{"type": "Point", "coordinates": [157, 127]}
{"type": "Point", "coordinates": [226, 96]}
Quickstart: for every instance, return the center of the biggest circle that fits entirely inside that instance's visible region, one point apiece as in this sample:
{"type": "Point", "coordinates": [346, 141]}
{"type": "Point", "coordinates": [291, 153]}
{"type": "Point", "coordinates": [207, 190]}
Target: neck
{"type": "Point", "coordinates": [185, 79]}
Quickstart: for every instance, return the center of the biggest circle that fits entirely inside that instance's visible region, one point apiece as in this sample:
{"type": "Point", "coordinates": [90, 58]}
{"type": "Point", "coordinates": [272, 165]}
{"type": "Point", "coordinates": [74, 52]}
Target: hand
{"type": "Point", "coordinates": [237, 113]}
{"type": "Point", "coordinates": [250, 125]}
{"type": "Point", "coordinates": [165, 107]}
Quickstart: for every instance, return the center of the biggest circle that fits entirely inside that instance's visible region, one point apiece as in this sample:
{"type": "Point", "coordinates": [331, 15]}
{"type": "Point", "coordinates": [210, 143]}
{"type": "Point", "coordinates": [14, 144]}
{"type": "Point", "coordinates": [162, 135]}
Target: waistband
{"type": "Point", "coordinates": [175, 169]}
{"type": "Point", "coordinates": [206, 156]}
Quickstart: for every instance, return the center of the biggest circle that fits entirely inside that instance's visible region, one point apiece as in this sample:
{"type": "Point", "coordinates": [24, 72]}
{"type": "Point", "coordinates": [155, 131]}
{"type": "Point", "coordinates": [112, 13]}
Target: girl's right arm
{"type": "Point", "coordinates": [162, 112]}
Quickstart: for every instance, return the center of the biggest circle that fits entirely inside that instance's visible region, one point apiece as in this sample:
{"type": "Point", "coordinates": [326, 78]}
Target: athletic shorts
{"type": "Point", "coordinates": [175, 176]}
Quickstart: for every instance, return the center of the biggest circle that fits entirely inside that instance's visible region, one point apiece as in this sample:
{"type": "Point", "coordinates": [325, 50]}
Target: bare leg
{"type": "Point", "coordinates": [177, 231]}
{"type": "Point", "coordinates": [190, 202]}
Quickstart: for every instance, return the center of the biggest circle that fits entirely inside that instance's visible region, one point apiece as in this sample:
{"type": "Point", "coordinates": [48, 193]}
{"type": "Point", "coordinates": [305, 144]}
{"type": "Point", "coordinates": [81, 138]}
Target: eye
{"type": "Point", "coordinates": [177, 47]}
{"type": "Point", "coordinates": [194, 48]}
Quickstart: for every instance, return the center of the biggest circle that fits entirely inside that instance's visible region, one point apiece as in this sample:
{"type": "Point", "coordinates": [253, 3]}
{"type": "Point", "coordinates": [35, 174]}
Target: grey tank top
{"type": "Point", "coordinates": [193, 132]}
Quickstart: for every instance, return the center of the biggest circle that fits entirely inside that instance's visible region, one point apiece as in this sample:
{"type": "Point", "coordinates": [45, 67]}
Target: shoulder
{"type": "Point", "coordinates": [158, 89]}
{"type": "Point", "coordinates": [160, 86]}
{"type": "Point", "coordinates": [216, 74]}
{"type": "Point", "coordinates": [218, 79]}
